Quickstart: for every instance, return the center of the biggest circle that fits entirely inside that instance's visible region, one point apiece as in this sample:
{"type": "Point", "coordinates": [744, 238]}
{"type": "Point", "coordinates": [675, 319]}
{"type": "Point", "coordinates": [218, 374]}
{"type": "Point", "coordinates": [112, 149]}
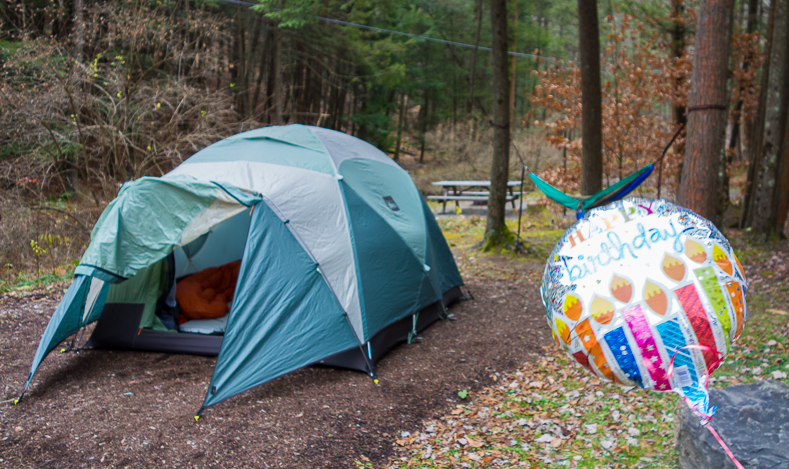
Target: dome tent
{"type": "Point", "coordinates": [340, 258]}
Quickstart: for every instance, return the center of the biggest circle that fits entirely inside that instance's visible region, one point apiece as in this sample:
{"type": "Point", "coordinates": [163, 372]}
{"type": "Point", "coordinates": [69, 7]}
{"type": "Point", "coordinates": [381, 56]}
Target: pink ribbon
{"type": "Point", "coordinates": [693, 407]}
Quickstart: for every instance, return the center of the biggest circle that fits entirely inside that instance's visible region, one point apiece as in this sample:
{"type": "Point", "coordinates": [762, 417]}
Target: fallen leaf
{"type": "Point", "coordinates": [546, 438]}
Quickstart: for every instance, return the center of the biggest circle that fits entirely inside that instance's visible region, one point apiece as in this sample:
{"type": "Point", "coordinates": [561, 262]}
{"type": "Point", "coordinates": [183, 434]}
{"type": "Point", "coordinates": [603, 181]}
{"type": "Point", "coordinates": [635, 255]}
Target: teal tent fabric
{"type": "Point", "coordinates": [65, 321]}
{"type": "Point", "coordinates": [391, 277]}
{"type": "Point", "coordinates": [391, 193]}
{"type": "Point", "coordinates": [284, 318]}
{"type": "Point", "coordinates": [148, 218]}
{"type": "Point", "coordinates": [443, 269]}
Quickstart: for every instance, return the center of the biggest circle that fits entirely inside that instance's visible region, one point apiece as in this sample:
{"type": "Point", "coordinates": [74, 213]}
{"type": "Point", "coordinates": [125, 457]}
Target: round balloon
{"type": "Point", "coordinates": [646, 293]}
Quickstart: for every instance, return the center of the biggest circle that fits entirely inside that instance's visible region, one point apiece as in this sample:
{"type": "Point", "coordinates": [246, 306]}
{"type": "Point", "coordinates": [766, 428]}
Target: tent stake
{"type": "Point", "coordinates": [199, 413]}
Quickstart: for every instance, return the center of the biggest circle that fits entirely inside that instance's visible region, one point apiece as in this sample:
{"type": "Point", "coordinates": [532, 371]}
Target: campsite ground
{"type": "Point", "coordinates": [125, 409]}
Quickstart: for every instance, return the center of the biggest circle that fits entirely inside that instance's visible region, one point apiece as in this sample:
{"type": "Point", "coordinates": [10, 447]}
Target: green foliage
{"type": "Point", "coordinates": [292, 14]}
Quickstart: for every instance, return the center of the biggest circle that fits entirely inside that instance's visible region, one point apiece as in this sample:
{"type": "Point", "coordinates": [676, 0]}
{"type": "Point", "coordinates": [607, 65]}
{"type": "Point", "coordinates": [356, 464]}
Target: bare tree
{"type": "Point", "coordinates": [705, 148]}
{"type": "Point", "coordinates": [496, 232]}
{"type": "Point", "coordinates": [591, 100]}
{"type": "Point", "coordinates": [768, 169]}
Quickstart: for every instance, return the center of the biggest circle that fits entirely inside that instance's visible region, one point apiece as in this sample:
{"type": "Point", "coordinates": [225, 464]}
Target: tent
{"type": "Point", "coordinates": [341, 258]}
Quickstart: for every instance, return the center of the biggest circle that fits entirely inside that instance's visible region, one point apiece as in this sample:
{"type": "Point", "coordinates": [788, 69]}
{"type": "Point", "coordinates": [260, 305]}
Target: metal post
{"type": "Point", "coordinates": [520, 208]}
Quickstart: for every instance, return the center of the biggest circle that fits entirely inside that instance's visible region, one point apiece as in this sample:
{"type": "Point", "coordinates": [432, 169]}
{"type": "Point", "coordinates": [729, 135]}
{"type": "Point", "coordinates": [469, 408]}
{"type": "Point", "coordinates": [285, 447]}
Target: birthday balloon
{"type": "Point", "coordinates": [646, 293]}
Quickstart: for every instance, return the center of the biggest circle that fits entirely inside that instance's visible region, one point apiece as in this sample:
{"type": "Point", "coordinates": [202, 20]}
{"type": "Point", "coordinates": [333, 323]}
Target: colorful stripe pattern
{"type": "Point", "coordinates": [674, 341]}
{"type": "Point", "coordinates": [620, 349]}
{"type": "Point", "coordinates": [639, 326]}
{"type": "Point", "coordinates": [689, 299]}
{"type": "Point", "coordinates": [581, 358]}
{"type": "Point", "coordinates": [709, 282]}
{"type": "Point", "coordinates": [734, 289]}
{"type": "Point", "coordinates": [585, 332]}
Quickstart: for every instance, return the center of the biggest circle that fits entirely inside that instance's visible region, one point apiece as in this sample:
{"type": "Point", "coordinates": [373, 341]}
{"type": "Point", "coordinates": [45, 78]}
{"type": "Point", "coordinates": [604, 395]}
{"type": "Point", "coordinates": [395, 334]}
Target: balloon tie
{"type": "Point", "coordinates": [705, 422]}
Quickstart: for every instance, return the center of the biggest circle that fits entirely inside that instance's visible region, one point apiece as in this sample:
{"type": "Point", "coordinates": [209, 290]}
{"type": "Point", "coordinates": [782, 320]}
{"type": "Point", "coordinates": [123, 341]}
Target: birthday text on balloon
{"type": "Point", "coordinates": [614, 249]}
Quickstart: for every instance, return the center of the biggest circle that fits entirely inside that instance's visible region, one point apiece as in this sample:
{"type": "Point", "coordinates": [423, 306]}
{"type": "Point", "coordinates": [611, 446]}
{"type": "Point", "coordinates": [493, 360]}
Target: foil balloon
{"type": "Point", "coordinates": [646, 293]}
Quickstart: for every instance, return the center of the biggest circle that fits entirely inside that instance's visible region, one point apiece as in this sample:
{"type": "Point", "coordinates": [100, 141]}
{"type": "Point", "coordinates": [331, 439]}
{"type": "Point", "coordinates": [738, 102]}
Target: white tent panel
{"type": "Point", "coordinates": [313, 205]}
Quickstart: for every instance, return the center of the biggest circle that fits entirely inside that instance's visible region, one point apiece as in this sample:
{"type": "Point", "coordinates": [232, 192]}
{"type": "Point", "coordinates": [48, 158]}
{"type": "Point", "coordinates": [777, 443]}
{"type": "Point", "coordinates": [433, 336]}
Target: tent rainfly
{"type": "Point", "coordinates": [340, 259]}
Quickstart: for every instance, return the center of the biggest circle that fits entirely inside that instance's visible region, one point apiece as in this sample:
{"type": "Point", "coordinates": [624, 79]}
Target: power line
{"type": "Point", "coordinates": [404, 34]}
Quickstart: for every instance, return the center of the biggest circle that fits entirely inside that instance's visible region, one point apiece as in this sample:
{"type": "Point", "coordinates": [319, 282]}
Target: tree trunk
{"type": "Point", "coordinates": [278, 98]}
{"type": "Point", "coordinates": [423, 110]}
{"type": "Point", "coordinates": [705, 146]}
{"type": "Point", "coordinates": [496, 232]}
{"type": "Point", "coordinates": [678, 51]}
{"type": "Point", "coordinates": [591, 100]}
{"type": "Point", "coordinates": [762, 212]}
{"type": "Point", "coordinates": [782, 186]}
{"type": "Point", "coordinates": [470, 103]}
{"type": "Point", "coordinates": [400, 120]}
{"type": "Point", "coordinates": [746, 64]}
{"type": "Point", "coordinates": [79, 29]}
{"type": "Point", "coordinates": [514, 79]}
{"type": "Point", "coordinates": [754, 135]}
{"type": "Point", "coordinates": [737, 115]}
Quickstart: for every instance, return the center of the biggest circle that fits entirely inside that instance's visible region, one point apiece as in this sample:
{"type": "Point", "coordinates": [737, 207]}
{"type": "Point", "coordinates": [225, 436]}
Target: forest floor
{"type": "Point", "coordinates": [455, 400]}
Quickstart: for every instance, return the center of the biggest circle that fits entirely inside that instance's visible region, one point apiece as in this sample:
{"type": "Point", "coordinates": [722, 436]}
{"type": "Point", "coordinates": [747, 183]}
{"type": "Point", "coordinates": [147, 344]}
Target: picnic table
{"type": "Point", "coordinates": [477, 191]}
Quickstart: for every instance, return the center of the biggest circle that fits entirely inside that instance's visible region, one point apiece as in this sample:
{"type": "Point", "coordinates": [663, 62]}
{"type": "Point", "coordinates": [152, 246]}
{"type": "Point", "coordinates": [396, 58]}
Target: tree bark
{"type": "Point", "coordinates": [79, 29]}
{"type": "Point", "coordinates": [678, 51]}
{"type": "Point", "coordinates": [496, 232]}
{"type": "Point", "coordinates": [762, 212]}
{"type": "Point", "coordinates": [514, 79]}
{"type": "Point", "coordinates": [700, 190]}
{"type": "Point", "coordinates": [278, 98]}
{"type": "Point", "coordinates": [400, 120]}
{"type": "Point", "coordinates": [750, 28]}
{"type": "Point", "coordinates": [782, 186]}
{"type": "Point", "coordinates": [591, 100]}
{"type": "Point", "coordinates": [470, 103]}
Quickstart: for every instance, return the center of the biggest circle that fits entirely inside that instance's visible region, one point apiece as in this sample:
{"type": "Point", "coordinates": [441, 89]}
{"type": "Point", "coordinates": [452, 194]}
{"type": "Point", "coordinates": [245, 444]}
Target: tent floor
{"type": "Point", "coordinates": [118, 328]}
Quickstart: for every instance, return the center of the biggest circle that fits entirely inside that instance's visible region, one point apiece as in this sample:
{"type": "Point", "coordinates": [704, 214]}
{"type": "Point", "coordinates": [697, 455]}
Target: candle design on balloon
{"type": "Point", "coordinates": [721, 259]}
{"type": "Point", "coordinates": [602, 310]}
{"type": "Point", "coordinates": [572, 307]}
{"type": "Point", "coordinates": [655, 298]}
{"type": "Point", "coordinates": [621, 288]}
{"type": "Point", "coordinates": [673, 268]}
{"type": "Point", "coordinates": [563, 331]}
{"type": "Point", "coordinates": [695, 251]}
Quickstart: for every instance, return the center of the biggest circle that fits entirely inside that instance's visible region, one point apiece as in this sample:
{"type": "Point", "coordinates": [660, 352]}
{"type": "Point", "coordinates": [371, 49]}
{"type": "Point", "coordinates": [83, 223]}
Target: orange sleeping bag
{"type": "Point", "coordinates": [206, 294]}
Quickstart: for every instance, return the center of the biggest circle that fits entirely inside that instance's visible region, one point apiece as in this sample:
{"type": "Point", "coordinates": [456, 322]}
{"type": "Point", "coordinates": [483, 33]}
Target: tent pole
{"type": "Point", "coordinates": [440, 296]}
{"type": "Point", "coordinates": [412, 336]}
{"type": "Point", "coordinates": [370, 366]}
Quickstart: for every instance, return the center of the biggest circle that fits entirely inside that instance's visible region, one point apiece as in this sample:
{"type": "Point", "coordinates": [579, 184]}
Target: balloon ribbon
{"type": "Point", "coordinates": [705, 417]}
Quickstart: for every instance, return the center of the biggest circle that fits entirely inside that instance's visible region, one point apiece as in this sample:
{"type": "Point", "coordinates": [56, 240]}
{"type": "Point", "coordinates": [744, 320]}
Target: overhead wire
{"type": "Point", "coordinates": [404, 34]}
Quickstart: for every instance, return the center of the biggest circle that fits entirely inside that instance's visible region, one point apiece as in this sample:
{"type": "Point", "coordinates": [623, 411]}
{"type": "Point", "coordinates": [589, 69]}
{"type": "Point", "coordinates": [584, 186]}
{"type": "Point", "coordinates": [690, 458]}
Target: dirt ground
{"type": "Point", "coordinates": [133, 409]}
